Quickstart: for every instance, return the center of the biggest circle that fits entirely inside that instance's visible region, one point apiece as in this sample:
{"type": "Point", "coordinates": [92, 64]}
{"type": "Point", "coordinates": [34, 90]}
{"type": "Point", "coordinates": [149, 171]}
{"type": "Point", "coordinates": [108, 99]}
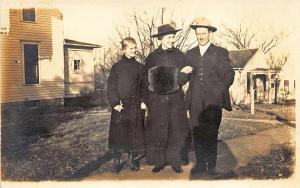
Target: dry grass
{"type": "Point", "coordinates": [278, 163]}
{"type": "Point", "coordinates": [52, 145]}
{"type": "Point", "coordinates": [70, 142]}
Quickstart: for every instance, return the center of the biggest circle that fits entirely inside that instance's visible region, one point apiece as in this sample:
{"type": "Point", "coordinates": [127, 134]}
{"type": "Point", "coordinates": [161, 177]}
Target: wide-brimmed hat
{"type": "Point", "coordinates": [203, 22]}
{"type": "Point", "coordinates": [165, 30]}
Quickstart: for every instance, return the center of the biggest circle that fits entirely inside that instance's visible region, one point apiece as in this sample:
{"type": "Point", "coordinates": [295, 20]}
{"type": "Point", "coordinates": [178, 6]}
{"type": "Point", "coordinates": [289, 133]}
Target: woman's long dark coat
{"type": "Point", "coordinates": [167, 125]}
{"type": "Point", "coordinates": [126, 133]}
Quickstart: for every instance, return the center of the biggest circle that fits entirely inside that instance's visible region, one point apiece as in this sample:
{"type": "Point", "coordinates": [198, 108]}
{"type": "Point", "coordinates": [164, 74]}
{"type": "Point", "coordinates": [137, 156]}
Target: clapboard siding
{"type": "Point", "coordinates": [79, 82]}
{"type": "Point", "coordinates": [51, 62]}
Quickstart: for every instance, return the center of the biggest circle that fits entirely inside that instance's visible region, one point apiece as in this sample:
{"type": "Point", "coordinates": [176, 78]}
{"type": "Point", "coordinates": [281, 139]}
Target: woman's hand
{"type": "Point", "coordinates": [119, 107]}
{"type": "Point", "coordinates": [143, 106]}
{"type": "Point", "coordinates": [187, 70]}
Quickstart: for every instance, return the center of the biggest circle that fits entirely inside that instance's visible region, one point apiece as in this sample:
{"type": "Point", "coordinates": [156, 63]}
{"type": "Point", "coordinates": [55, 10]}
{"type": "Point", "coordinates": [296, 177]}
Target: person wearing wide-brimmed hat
{"type": "Point", "coordinates": [166, 127]}
{"type": "Point", "coordinates": [207, 94]}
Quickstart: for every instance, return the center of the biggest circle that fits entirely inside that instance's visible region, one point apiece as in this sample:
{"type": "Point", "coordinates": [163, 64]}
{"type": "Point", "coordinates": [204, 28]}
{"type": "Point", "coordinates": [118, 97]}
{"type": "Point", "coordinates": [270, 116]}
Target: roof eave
{"type": "Point", "coordinates": [81, 45]}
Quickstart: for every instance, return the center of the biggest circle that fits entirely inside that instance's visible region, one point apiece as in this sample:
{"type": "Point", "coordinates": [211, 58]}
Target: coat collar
{"type": "Point", "coordinates": [126, 59]}
{"type": "Point", "coordinates": [160, 49]}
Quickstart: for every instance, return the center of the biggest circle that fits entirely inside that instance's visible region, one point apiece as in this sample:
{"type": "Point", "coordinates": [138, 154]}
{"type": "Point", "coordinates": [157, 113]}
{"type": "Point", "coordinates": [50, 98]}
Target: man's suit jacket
{"type": "Point", "coordinates": [211, 78]}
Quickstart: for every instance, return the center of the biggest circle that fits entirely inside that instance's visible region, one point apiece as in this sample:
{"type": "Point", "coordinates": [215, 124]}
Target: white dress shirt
{"type": "Point", "coordinates": [204, 48]}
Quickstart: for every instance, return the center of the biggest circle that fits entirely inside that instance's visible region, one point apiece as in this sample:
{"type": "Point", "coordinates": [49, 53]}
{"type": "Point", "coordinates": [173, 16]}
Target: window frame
{"type": "Point", "coordinates": [23, 63]}
{"type": "Point", "coordinates": [28, 21]}
{"type": "Point", "coordinates": [79, 61]}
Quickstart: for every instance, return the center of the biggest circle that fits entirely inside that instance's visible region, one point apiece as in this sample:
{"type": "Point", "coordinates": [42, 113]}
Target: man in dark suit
{"type": "Point", "coordinates": [207, 94]}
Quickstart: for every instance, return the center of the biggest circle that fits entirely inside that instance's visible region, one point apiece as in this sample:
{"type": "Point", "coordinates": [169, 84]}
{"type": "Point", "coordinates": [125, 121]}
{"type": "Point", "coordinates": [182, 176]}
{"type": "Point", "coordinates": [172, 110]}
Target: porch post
{"type": "Point", "coordinates": [269, 88]}
{"type": "Point", "coordinates": [252, 93]}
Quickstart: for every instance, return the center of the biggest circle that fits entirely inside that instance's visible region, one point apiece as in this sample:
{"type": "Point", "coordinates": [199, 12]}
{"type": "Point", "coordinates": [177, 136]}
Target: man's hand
{"type": "Point", "coordinates": [119, 107]}
{"type": "Point", "coordinates": [143, 106]}
{"type": "Point", "coordinates": [187, 69]}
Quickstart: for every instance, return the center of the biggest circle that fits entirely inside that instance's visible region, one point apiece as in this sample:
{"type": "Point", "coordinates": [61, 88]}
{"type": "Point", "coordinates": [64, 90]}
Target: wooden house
{"type": "Point", "coordinates": [252, 64]}
{"type": "Point", "coordinates": [37, 63]}
{"type": "Point", "coordinates": [79, 68]}
{"type": "Point", "coordinates": [31, 54]}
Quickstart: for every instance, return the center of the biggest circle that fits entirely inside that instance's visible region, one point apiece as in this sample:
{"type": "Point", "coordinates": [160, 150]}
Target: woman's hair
{"type": "Point", "coordinates": [126, 41]}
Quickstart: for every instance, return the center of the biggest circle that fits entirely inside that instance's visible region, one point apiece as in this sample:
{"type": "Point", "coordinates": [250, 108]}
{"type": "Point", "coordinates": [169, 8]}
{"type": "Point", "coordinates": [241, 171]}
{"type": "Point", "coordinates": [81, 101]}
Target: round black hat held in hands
{"type": "Point", "coordinates": [163, 80]}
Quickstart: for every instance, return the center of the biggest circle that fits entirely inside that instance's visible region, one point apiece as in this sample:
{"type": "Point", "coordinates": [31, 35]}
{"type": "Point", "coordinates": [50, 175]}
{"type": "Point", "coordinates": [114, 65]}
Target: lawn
{"type": "Point", "coordinates": [287, 113]}
{"type": "Point", "coordinates": [59, 143]}
{"type": "Point", "coordinates": [279, 163]}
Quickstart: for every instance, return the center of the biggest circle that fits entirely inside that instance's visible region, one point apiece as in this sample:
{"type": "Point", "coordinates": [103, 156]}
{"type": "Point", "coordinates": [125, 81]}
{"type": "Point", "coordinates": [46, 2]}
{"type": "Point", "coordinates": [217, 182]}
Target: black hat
{"type": "Point", "coordinates": [165, 30]}
{"type": "Point", "coordinates": [163, 79]}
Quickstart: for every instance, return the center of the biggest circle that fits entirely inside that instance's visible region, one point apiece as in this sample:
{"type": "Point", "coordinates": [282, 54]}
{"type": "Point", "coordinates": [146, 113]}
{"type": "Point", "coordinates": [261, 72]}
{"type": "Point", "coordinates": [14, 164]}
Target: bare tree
{"type": "Point", "coordinates": [142, 25]}
{"type": "Point", "coordinates": [104, 62]}
{"type": "Point", "coordinates": [267, 45]}
{"type": "Point", "coordinates": [122, 31]}
{"type": "Point", "coordinates": [182, 37]}
{"type": "Point", "coordinates": [276, 64]}
{"type": "Point", "coordinates": [244, 38]}
{"type": "Point", "coordinates": [240, 38]}
{"type": "Point", "coordinates": [145, 26]}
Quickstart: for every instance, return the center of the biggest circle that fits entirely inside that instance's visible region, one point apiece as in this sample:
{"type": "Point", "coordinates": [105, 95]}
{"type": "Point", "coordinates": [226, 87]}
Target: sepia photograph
{"type": "Point", "coordinates": [181, 93]}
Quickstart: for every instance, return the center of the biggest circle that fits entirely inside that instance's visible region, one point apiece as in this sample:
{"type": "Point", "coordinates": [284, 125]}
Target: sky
{"type": "Point", "coordinates": [95, 20]}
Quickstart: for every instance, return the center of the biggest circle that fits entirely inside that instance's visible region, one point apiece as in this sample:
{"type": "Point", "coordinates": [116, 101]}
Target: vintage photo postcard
{"type": "Point", "coordinates": [181, 93]}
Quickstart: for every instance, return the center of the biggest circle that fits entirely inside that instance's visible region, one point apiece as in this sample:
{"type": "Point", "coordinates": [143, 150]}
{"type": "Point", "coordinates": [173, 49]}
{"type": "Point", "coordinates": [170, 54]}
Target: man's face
{"type": "Point", "coordinates": [202, 35]}
{"type": "Point", "coordinates": [168, 40]}
{"type": "Point", "coordinates": [130, 50]}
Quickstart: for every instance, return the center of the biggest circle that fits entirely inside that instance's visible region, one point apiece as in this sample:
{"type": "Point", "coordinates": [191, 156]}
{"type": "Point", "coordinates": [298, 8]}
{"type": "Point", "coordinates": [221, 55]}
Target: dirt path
{"type": "Point", "coordinates": [232, 154]}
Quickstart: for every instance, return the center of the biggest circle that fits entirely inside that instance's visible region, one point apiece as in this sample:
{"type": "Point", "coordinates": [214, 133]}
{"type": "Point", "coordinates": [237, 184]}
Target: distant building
{"type": "Point", "coordinates": [79, 68]}
{"type": "Point", "coordinates": [253, 62]}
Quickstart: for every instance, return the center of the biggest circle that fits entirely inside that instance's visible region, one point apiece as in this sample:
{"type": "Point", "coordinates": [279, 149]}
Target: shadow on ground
{"type": "Point", "coordinates": [226, 163]}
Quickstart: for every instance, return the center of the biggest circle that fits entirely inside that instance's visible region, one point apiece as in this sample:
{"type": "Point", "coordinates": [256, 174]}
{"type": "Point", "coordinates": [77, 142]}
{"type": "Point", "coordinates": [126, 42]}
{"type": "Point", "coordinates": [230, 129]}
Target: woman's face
{"type": "Point", "coordinates": [168, 40]}
{"type": "Point", "coordinates": [130, 50]}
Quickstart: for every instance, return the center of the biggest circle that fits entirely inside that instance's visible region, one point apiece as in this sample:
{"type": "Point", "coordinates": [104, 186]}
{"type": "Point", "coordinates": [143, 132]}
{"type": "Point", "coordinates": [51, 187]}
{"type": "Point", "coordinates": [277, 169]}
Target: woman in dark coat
{"type": "Point", "coordinates": [126, 134]}
{"type": "Point", "coordinates": [167, 125]}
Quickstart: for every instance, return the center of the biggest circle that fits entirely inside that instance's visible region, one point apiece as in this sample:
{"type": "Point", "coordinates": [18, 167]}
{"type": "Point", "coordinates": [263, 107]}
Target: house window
{"type": "Point", "coordinates": [31, 65]}
{"type": "Point", "coordinates": [76, 65]}
{"type": "Point", "coordinates": [286, 85]}
{"type": "Point", "coordinates": [28, 14]}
